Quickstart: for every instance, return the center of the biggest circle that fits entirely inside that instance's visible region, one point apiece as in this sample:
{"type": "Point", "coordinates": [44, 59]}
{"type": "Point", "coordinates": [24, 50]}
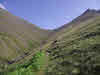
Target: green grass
{"type": "Point", "coordinates": [36, 66]}
{"type": "Point", "coordinates": [75, 49]}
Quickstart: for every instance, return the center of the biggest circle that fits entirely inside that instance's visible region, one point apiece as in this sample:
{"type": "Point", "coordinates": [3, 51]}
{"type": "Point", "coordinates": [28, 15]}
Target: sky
{"type": "Point", "coordinates": [48, 14]}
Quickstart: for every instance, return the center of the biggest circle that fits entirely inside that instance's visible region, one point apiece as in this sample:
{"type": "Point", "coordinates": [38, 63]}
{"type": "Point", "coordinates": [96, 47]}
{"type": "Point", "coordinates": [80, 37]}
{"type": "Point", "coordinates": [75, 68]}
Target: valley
{"type": "Point", "coordinates": [72, 49]}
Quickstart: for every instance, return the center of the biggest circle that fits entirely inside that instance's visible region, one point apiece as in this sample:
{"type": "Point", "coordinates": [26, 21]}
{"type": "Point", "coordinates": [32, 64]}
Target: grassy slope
{"type": "Point", "coordinates": [18, 36]}
{"type": "Point", "coordinates": [64, 53]}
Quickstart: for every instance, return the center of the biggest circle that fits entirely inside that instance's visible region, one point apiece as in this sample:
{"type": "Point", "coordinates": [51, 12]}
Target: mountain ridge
{"type": "Point", "coordinates": [91, 12]}
{"type": "Point", "coordinates": [22, 30]}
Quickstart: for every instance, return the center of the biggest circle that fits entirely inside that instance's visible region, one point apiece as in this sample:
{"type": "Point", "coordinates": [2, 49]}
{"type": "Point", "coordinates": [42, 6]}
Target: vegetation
{"type": "Point", "coordinates": [76, 52]}
{"type": "Point", "coordinates": [31, 67]}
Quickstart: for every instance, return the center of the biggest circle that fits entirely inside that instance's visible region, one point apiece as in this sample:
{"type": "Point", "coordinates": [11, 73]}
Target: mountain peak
{"type": "Point", "coordinates": [90, 11]}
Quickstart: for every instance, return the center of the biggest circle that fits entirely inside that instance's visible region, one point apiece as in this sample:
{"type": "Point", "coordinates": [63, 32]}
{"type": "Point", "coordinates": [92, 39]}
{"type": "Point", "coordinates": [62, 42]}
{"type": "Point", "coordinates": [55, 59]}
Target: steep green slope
{"type": "Point", "coordinates": [77, 50]}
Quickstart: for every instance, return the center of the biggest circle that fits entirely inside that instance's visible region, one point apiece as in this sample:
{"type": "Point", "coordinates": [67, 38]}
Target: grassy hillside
{"type": "Point", "coordinates": [18, 37]}
{"type": "Point", "coordinates": [77, 50]}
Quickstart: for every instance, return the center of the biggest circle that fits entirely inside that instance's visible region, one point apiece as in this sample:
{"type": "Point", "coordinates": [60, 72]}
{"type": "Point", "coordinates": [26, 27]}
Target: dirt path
{"type": "Point", "coordinates": [45, 64]}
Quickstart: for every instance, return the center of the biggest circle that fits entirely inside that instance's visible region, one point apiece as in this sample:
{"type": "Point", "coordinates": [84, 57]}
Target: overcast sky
{"type": "Point", "coordinates": [48, 14]}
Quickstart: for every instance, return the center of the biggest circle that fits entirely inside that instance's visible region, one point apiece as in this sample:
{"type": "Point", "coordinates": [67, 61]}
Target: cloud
{"type": "Point", "coordinates": [2, 6]}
